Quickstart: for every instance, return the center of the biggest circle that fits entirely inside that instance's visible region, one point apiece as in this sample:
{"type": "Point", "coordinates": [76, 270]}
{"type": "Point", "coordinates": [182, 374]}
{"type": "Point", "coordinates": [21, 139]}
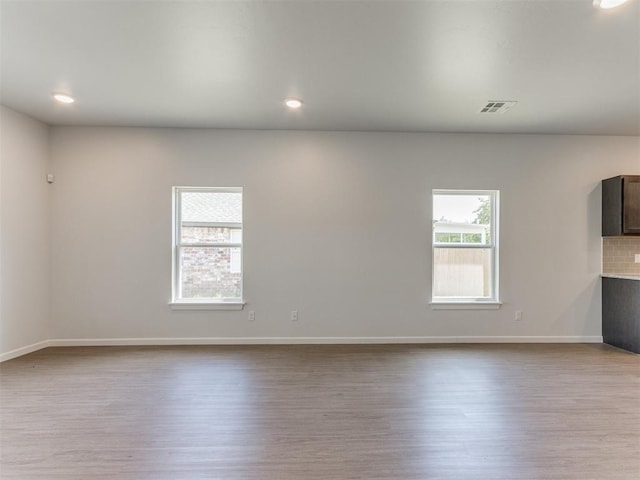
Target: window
{"type": "Point", "coordinates": [207, 246]}
{"type": "Point", "coordinates": [465, 246]}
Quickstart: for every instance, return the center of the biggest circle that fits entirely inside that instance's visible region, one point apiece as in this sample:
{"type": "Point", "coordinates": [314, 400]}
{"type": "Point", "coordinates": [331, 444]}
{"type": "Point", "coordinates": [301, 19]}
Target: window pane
{"type": "Point", "coordinates": [199, 234]}
{"type": "Point", "coordinates": [211, 207]}
{"type": "Point", "coordinates": [462, 272]}
{"type": "Point", "coordinates": [462, 219]}
{"type": "Point", "coordinates": [442, 237]}
{"type": "Point", "coordinates": [210, 272]}
{"type": "Point", "coordinates": [236, 261]}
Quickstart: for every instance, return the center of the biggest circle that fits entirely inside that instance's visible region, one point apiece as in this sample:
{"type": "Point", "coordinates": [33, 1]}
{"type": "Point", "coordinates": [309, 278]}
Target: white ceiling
{"type": "Point", "coordinates": [359, 65]}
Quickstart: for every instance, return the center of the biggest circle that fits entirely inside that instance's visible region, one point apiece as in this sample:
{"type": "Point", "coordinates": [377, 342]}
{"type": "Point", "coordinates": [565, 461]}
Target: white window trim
{"type": "Point", "coordinates": [187, 305]}
{"type": "Point", "coordinates": [471, 303]}
{"type": "Point", "coordinates": [177, 303]}
{"type": "Point", "coordinates": [466, 305]}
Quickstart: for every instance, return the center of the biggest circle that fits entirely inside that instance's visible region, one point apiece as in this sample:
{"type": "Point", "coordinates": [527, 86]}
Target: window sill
{"type": "Point", "coordinates": [207, 305]}
{"type": "Point", "coordinates": [465, 305]}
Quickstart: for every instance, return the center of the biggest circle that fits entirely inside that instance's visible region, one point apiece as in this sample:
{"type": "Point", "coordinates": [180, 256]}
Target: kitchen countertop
{"type": "Point", "coordinates": [622, 276]}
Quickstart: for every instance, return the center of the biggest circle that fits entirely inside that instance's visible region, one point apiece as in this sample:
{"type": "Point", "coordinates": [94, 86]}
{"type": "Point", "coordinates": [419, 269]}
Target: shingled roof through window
{"type": "Point", "coordinates": [212, 207]}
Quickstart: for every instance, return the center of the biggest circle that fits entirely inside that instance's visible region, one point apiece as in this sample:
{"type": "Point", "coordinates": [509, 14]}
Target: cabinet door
{"type": "Point", "coordinates": [631, 204]}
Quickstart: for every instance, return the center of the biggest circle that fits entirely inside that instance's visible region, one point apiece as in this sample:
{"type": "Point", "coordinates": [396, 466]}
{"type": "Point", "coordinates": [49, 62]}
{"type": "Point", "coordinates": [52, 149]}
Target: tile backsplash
{"type": "Point", "coordinates": [618, 255]}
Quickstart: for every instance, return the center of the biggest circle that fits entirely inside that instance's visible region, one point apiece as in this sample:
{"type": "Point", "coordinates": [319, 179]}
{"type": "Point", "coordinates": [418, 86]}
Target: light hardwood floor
{"type": "Point", "coordinates": [459, 412]}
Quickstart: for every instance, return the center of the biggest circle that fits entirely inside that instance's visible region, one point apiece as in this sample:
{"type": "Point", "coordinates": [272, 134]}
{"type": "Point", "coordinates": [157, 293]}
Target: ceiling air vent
{"type": "Point", "coordinates": [497, 106]}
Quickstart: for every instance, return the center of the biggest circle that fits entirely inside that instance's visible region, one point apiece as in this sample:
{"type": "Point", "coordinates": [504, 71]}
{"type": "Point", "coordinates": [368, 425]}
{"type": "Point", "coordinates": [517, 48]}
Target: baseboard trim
{"type": "Point", "coordinates": [88, 342]}
{"type": "Point", "coordinates": [18, 352]}
{"type": "Point", "coordinates": [104, 342]}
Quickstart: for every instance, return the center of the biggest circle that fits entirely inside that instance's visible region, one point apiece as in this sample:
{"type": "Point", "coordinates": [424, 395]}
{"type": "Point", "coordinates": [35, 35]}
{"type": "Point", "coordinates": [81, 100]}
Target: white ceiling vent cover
{"type": "Point", "coordinates": [497, 106]}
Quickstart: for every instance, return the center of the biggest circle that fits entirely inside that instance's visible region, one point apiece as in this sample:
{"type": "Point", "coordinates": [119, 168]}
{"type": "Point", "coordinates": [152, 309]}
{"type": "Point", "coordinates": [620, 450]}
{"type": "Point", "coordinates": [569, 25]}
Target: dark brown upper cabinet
{"type": "Point", "coordinates": [621, 206]}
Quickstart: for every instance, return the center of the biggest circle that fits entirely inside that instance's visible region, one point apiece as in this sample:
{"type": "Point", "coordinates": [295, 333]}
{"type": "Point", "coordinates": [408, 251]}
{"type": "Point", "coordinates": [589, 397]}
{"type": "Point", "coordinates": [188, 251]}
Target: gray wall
{"type": "Point", "coordinates": [337, 226]}
{"type": "Point", "coordinates": [24, 231]}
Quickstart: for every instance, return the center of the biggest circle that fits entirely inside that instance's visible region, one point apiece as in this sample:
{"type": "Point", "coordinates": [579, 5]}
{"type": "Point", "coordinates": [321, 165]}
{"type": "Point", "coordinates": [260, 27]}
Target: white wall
{"type": "Point", "coordinates": [337, 226]}
{"type": "Point", "coordinates": [24, 232]}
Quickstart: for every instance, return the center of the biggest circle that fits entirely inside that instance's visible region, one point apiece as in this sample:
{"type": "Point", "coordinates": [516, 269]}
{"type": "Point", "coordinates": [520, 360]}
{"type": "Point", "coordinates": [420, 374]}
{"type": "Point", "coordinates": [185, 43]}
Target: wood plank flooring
{"type": "Point", "coordinates": [375, 412]}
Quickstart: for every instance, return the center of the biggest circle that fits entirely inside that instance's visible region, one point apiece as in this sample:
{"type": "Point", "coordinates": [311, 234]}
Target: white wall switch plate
{"type": "Point", "coordinates": [637, 257]}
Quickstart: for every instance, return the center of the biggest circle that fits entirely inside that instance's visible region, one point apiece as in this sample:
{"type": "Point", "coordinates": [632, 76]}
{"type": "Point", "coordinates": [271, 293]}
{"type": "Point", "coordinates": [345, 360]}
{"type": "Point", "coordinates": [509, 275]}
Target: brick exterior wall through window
{"type": "Point", "coordinates": [210, 272]}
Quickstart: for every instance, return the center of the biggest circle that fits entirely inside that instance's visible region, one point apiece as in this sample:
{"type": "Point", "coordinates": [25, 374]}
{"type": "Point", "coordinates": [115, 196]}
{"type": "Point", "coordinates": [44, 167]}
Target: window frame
{"type": "Point", "coordinates": [212, 303]}
{"type": "Point", "coordinates": [493, 301]}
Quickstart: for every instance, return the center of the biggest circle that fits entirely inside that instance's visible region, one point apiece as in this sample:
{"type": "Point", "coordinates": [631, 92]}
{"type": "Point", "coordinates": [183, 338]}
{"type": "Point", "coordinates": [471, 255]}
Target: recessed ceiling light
{"type": "Point", "coordinates": [63, 98]}
{"type": "Point", "coordinates": [497, 106]}
{"type": "Point", "coordinates": [293, 103]}
{"type": "Point", "coordinates": [608, 3]}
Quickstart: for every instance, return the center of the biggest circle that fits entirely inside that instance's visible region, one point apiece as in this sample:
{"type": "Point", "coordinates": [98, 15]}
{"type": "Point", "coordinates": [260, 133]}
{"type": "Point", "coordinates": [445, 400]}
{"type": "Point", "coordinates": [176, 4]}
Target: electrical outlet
{"type": "Point", "coordinates": [294, 315]}
{"type": "Point", "coordinates": [252, 316]}
{"type": "Point", "coordinates": [518, 315]}
{"type": "Point", "coordinates": [637, 257]}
